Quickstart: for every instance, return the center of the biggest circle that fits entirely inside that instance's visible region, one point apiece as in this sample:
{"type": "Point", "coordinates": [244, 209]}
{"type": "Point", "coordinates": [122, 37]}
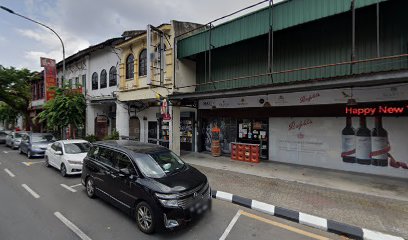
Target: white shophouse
{"type": "Point", "coordinates": [95, 72]}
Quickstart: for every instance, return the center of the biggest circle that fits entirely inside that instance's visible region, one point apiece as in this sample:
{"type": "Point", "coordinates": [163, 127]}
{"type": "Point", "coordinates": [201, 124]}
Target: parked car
{"type": "Point", "coordinates": [147, 181]}
{"type": "Point", "coordinates": [67, 156]}
{"type": "Point", "coordinates": [3, 135]}
{"type": "Point", "coordinates": [13, 139]}
{"type": "Point", "coordinates": [35, 144]}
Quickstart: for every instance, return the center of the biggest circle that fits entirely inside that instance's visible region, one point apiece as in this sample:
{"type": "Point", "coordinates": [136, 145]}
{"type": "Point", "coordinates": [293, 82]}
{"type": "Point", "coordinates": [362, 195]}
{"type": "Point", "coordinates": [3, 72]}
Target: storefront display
{"type": "Point", "coordinates": [186, 131]}
{"type": "Point", "coordinates": [377, 147]}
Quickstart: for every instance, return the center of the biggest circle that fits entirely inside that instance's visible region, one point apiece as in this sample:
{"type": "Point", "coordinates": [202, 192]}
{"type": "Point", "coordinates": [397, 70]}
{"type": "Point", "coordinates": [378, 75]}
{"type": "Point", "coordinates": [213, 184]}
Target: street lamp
{"type": "Point", "coordinates": [29, 19]}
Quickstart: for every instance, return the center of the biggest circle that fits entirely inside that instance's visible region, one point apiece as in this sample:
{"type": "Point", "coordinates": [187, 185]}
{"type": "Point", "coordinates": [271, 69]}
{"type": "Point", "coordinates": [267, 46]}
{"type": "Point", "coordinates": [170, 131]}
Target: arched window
{"type": "Point", "coordinates": [104, 82]}
{"type": "Point", "coordinates": [94, 81]}
{"type": "Point", "coordinates": [130, 67]}
{"type": "Point", "coordinates": [142, 63]}
{"type": "Point", "coordinates": [112, 77]}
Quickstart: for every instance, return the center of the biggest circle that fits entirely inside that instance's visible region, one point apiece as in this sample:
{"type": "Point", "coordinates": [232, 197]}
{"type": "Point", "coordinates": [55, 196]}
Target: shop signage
{"type": "Point", "coordinates": [377, 110]}
{"type": "Point", "coordinates": [50, 76]}
{"type": "Point", "coordinates": [164, 110]}
{"type": "Point", "coordinates": [387, 93]}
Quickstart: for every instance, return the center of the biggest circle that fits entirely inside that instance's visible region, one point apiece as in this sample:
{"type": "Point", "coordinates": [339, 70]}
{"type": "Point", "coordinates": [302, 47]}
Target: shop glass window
{"type": "Point", "coordinates": [103, 79]}
{"type": "Point", "coordinates": [94, 81]}
{"type": "Point", "coordinates": [143, 63]}
{"type": "Point", "coordinates": [112, 77]}
{"type": "Point", "coordinates": [130, 67]}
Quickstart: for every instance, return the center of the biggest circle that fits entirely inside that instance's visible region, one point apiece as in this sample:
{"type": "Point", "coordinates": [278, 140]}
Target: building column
{"type": "Point", "coordinates": [175, 129]}
{"type": "Point", "coordinates": [122, 120]}
{"type": "Point", "coordinates": [90, 119]}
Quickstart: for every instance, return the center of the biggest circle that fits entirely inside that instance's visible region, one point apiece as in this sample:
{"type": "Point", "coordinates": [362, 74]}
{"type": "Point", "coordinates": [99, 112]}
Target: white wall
{"type": "Point", "coordinates": [95, 62]}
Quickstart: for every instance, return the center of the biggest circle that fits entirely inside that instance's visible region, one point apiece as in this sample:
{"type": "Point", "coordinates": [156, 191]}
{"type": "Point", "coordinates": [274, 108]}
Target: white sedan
{"type": "Point", "coordinates": [67, 156]}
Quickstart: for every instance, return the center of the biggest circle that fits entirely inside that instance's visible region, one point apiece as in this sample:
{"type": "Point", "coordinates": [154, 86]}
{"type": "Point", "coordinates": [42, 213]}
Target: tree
{"type": "Point", "coordinates": [67, 109]}
{"type": "Point", "coordinates": [15, 89]}
{"type": "Point", "coordinates": [8, 115]}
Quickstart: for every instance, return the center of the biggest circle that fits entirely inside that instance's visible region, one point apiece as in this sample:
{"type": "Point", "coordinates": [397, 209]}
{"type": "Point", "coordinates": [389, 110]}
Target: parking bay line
{"type": "Point", "coordinates": [34, 194]}
{"type": "Point", "coordinates": [284, 226]}
{"type": "Point", "coordinates": [9, 172]}
{"type": "Point", "coordinates": [31, 163]}
{"type": "Point", "coordinates": [5, 152]}
{"type": "Point", "coordinates": [68, 187]}
{"type": "Point", "coordinates": [231, 225]}
{"type": "Point", "coordinates": [72, 226]}
{"type": "Point", "coordinates": [76, 185]}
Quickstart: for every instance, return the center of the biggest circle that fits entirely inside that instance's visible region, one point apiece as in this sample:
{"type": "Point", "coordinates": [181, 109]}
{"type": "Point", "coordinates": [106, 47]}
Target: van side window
{"type": "Point", "coordinates": [123, 162]}
{"type": "Point", "coordinates": [106, 156]}
{"type": "Point", "coordinates": [93, 152]}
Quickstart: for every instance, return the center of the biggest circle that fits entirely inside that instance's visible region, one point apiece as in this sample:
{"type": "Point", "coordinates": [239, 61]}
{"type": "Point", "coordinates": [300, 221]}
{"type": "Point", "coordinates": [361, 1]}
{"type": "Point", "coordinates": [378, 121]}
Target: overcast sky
{"type": "Point", "coordinates": [82, 23]}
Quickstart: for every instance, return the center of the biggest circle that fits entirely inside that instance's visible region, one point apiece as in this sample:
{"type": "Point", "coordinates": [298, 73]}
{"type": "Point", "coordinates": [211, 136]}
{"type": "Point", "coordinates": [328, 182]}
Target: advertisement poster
{"type": "Point", "coordinates": [366, 144]}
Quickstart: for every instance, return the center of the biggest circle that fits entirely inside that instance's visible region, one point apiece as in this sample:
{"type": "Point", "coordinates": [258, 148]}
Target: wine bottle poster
{"type": "Point", "coordinates": [374, 145]}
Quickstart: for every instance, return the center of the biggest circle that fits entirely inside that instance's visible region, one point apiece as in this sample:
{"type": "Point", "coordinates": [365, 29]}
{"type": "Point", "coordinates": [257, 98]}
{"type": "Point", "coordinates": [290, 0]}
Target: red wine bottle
{"type": "Point", "coordinates": [363, 143]}
{"type": "Point", "coordinates": [379, 141]}
{"type": "Point", "coordinates": [348, 140]}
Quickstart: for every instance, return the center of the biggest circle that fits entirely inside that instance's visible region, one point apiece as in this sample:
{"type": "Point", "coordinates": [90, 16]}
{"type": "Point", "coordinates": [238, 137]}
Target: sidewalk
{"type": "Point", "coordinates": [373, 202]}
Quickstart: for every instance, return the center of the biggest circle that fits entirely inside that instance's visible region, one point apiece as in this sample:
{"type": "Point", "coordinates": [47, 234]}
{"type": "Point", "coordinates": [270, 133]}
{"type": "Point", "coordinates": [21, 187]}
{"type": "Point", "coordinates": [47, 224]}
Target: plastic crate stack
{"type": "Point", "coordinates": [245, 152]}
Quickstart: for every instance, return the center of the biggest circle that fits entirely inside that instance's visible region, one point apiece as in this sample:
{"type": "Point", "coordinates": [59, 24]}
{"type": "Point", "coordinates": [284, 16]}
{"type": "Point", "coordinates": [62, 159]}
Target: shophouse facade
{"type": "Point", "coordinates": [147, 71]}
{"type": "Point", "coordinates": [313, 84]}
{"type": "Point", "coordinates": [94, 72]}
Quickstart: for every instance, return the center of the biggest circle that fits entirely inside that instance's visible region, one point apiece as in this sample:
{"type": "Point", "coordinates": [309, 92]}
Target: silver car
{"type": "Point", "coordinates": [13, 140]}
{"type": "Point", "coordinates": [3, 135]}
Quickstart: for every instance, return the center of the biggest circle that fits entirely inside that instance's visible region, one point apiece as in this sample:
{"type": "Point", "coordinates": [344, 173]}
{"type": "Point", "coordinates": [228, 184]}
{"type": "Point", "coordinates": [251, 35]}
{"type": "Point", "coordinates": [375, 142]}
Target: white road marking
{"type": "Point", "coordinates": [71, 226]}
{"type": "Point", "coordinates": [231, 225]}
{"type": "Point", "coordinates": [26, 163]}
{"type": "Point", "coordinates": [371, 235]}
{"type": "Point", "coordinates": [76, 185]}
{"type": "Point", "coordinates": [35, 195]}
{"type": "Point", "coordinates": [9, 172]}
{"type": "Point", "coordinates": [66, 187]}
{"type": "Point", "coordinates": [5, 152]}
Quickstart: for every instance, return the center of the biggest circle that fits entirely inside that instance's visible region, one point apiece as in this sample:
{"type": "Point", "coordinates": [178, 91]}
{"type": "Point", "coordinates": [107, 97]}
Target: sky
{"type": "Point", "coordinates": [82, 23]}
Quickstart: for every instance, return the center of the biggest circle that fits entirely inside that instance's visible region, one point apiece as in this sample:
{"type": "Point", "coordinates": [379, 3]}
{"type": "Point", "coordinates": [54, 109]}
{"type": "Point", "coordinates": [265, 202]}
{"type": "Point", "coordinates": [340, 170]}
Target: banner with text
{"type": "Point", "coordinates": [374, 145]}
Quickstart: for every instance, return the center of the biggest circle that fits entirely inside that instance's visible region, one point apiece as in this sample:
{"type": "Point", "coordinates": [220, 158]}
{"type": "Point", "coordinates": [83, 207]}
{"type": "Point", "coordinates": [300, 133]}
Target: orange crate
{"type": "Point", "coordinates": [241, 147]}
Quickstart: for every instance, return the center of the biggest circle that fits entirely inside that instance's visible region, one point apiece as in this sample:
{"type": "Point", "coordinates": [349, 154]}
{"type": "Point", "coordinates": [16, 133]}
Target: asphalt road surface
{"type": "Point", "coordinates": [38, 203]}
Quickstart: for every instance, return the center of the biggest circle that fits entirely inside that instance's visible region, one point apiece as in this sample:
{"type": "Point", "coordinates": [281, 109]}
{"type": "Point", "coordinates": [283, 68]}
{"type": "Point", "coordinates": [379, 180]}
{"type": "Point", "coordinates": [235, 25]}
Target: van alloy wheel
{"type": "Point", "coordinates": [145, 218]}
{"type": "Point", "coordinates": [90, 188]}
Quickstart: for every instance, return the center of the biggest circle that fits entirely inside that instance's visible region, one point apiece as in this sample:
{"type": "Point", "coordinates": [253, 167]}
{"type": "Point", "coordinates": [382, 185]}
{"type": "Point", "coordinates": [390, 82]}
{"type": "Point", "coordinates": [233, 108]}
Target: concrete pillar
{"type": "Point", "coordinates": [122, 120]}
{"type": "Point", "coordinates": [175, 129]}
{"type": "Point", "coordinates": [90, 119]}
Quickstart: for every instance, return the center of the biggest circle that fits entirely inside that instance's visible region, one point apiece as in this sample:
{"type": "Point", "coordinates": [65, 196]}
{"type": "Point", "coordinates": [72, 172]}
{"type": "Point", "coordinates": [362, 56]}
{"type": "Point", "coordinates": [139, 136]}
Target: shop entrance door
{"type": "Point", "coordinates": [134, 128]}
{"type": "Point", "coordinates": [101, 127]}
{"type": "Point", "coordinates": [152, 132]}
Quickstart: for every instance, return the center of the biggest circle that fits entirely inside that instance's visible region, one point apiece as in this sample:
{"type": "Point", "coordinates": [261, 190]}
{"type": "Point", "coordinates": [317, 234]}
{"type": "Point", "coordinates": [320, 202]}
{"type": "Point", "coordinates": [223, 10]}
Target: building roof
{"type": "Point", "coordinates": [282, 15]}
{"type": "Point", "coordinates": [86, 51]}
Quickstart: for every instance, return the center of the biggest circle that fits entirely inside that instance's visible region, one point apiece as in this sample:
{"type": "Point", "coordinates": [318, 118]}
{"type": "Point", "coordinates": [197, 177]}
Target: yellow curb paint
{"type": "Point", "coordinates": [284, 226]}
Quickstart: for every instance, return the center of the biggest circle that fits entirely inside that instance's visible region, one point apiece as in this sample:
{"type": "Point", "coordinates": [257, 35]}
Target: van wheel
{"type": "Point", "coordinates": [90, 187]}
{"type": "Point", "coordinates": [145, 218]}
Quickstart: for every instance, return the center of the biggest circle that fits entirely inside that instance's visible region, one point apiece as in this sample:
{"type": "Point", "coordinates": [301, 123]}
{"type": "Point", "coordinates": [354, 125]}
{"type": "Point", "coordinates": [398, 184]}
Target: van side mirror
{"type": "Point", "coordinates": [58, 152]}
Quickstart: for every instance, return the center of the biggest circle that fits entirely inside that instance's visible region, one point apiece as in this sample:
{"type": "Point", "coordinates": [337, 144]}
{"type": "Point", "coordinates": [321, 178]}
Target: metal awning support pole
{"type": "Point", "coordinates": [378, 29]}
{"type": "Point", "coordinates": [270, 40]}
{"type": "Point", "coordinates": [353, 34]}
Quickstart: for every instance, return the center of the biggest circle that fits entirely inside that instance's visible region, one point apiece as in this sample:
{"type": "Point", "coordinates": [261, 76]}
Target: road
{"type": "Point", "coordinates": [37, 203]}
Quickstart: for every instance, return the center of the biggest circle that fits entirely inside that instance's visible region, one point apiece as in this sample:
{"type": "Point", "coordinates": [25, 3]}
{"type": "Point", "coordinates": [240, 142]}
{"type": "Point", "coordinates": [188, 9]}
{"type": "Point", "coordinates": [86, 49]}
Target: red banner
{"type": "Point", "coordinates": [50, 76]}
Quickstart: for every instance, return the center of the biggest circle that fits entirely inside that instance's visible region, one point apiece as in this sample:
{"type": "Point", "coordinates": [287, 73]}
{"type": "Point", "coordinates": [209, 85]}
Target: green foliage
{"type": "Point", "coordinates": [8, 114]}
{"type": "Point", "coordinates": [15, 88]}
{"type": "Point", "coordinates": [113, 136]}
{"type": "Point", "coordinates": [90, 138]}
{"type": "Point", "coordinates": [67, 108]}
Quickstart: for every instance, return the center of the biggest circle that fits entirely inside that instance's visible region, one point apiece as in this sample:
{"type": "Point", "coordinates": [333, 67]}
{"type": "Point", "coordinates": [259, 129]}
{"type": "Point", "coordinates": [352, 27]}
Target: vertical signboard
{"type": "Point", "coordinates": [50, 76]}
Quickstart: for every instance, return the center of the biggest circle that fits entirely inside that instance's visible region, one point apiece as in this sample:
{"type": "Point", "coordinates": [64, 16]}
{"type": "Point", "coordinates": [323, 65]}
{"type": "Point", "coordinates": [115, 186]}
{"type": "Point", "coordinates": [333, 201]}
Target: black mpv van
{"type": "Point", "coordinates": [147, 181]}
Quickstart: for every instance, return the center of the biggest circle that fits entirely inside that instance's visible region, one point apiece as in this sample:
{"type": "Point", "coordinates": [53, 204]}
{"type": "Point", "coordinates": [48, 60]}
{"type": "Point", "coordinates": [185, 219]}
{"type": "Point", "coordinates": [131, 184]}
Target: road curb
{"type": "Point", "coordinates": [304, 218]}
